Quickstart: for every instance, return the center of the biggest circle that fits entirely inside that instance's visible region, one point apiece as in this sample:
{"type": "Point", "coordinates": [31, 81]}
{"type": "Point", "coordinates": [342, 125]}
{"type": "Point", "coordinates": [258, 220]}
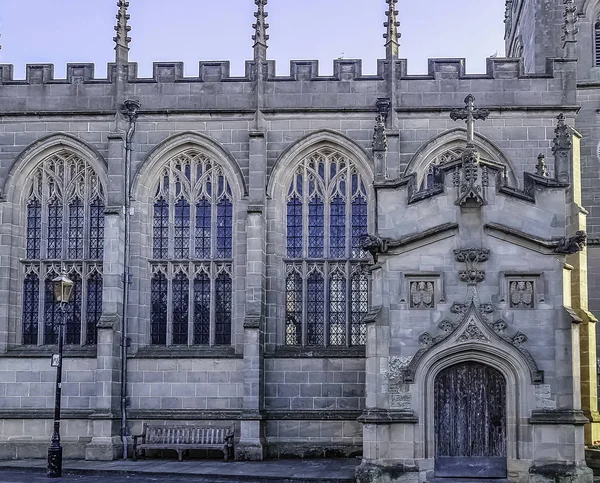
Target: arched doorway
{"type": "Point", "coordinates": [470, 421]}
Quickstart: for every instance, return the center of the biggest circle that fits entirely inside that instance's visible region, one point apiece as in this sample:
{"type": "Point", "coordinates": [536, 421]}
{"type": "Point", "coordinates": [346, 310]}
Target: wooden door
{"type": "Point", "coordinates": [470, 422]}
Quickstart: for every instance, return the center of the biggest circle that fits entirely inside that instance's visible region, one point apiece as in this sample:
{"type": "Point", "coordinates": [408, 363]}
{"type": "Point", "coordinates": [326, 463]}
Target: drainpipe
{"type": "Point", "coordinates": [132, 113]}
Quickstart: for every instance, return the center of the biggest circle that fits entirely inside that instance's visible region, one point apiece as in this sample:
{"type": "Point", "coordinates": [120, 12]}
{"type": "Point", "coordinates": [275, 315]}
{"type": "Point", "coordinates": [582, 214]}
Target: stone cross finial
{"type": "Point", "coordinates": [469, 114]}
{"type": "Point", "coordinates": [122, 38]}
{"type": "Point", "coordinates": [391, 35]}
{"type": "Point", "coordinates": [570, 32]}
{"type": "Point", "coordinates": [260, 36]}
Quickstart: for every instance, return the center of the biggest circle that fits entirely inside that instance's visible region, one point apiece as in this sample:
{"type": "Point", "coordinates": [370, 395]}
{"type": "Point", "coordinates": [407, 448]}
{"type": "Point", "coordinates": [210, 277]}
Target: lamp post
{"type": "Point", "coordinates": [62, 287]}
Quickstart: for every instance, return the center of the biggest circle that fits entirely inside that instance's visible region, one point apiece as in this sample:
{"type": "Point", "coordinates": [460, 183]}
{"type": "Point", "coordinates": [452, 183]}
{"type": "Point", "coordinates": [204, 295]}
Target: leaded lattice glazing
{"type": "Point", "coordinates": [66, 197]}
{"type": "Point", "coordinates": [192, 248]}
{"type": "Point", "coordinates": [326, 218]}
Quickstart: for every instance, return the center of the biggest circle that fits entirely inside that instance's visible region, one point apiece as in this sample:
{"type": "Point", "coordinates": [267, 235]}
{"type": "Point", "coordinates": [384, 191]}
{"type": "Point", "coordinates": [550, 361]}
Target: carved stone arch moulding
{"type": "Point", "coordinates": [451, 145]}
{"type": "Point", "coordinates": [281, 175]}
{"type": "Point", "coordinates": [145, 176]}
{"type": "Point", "coordinates": [43, 148]}
{"type": "Point", "coordinates": [472, 326]}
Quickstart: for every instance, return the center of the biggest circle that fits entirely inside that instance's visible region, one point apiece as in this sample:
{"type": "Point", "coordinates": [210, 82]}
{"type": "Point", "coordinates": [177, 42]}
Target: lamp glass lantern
{"type": "Point", "coordinates": [62, 287]}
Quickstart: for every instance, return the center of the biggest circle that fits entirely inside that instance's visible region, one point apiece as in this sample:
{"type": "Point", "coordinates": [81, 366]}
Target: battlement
{"type": "Point", "coordinates": [300, 70]}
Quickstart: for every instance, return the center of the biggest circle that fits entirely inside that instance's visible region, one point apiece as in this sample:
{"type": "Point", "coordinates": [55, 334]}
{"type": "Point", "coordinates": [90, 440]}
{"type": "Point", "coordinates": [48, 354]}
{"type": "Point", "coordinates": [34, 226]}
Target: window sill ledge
{"type": "Point", "coordinates": [175, 352]}
{"type": "Point", "coordinates": [312, 352]}
{"type": "Point", "coordinates": [48, 350]}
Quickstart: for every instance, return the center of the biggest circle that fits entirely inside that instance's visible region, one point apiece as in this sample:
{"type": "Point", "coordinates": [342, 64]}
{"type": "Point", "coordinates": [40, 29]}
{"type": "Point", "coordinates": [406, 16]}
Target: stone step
{"type": "Point", "coordinates": [468, 480]}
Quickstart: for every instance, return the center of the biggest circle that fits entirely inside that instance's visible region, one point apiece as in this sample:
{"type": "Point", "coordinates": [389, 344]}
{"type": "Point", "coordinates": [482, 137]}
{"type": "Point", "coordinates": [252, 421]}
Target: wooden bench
{"type": "Point", "coordinates": [183, 438]}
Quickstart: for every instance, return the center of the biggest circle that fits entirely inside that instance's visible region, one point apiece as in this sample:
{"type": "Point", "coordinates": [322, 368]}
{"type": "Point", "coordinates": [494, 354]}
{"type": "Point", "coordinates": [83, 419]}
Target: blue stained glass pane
{"type": "Point", "coordinates": [294, 228]}
{"type": "Point", "coordinates": [316, 229]}
{"type": "Point", "coordinates": [94, 307]}
{"type": "Point", "coordinates": [31, 294]}
{"type": "Point", "coordinates": [180, 309]}
{"type": "Point", "coordinates": [354, 184]}
{"type": "Point", "coordinates": [337, 228]}
{"type": "Point", "coordinates": [223, 308]}
{"type": "Point", "coordinates": [337, 310]}
{"type": "Point", "coordinates": [322, 170]}
{"type": "Point", "coordinates": [161, 229]}
{"type": "Point", "coordinates": [203, 228]}
{"type": "Point", "coordinates": [158, 310]}
{"type": "Point", "coordinates": [299, 183]}
{"type": "Point", "coordinates": [202, 310]}
{"type": "Point", "coordinates": [359, 226]}
{"type": "Point", "coordinates": [224, 229]}
{"type": "Point", "coordinates": [73, 325]}
{"type": "Point", "coordinates": [315, 309]}
{"type": "Point", "coordinates": [55, 226]}
{"type": "Point", "coordinates": [293, 310]}
{"type": "Point", "coordinates": [34, 229]}
{"type": "Point", "coordinates": [182, 229]}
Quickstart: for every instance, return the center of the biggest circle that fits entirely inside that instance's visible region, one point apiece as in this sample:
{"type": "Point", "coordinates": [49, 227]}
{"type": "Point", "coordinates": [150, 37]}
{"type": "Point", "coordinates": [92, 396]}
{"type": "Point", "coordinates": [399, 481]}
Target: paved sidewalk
{"type": "Point", "coordinates": [280, 471]}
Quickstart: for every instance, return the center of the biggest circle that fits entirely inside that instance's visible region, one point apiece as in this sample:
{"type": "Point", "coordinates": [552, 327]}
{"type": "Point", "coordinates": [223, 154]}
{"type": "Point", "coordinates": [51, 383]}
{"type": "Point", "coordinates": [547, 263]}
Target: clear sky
{"type": "Point", "coordinates": [61, 31]}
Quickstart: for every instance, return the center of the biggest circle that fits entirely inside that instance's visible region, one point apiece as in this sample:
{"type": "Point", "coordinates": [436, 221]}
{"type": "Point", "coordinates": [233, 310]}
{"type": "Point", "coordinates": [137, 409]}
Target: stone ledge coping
{"type": "Point", "coordinates": [175, 352]}
{"type": "Point", "coordinates": [560, 416]}
{"type": "Point", "coordinates": [387, 416]}
{"type": "Point", "coordinates": [47, 351]}
{"type": "Point", "coordinates": [323, 352]}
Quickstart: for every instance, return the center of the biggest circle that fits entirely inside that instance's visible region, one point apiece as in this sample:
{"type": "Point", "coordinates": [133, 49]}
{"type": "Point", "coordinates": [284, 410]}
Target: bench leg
{"type": "Point", "coordinates": [134, 454]}
{"type": "Point", "coordinates": [180, 455]}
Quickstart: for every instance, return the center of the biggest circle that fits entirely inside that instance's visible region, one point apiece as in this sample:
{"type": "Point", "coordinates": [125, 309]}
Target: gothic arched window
{"type": "Point", "coordinates": [65, 229]}
{"type": "Point", "coordinates": [326, 288]}
{"type": "Point", "coordinates": [191, 287]}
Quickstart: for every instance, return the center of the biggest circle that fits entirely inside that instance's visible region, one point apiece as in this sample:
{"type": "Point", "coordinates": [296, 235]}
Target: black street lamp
{"type": "Point", "coordinates": [62, 287]}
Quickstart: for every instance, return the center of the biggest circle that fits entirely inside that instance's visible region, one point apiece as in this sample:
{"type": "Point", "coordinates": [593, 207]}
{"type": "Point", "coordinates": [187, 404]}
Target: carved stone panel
{"type": "Point", "coordinates": [521, 294]}
{"type": "Point", "coordinates": [422, 294]}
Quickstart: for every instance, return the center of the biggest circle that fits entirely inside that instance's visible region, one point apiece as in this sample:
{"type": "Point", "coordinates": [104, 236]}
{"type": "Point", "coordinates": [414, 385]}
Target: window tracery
{"type": "Point", "coordinates": [66, 196]}
{"type": "Point", "coordinates": [191, 286]}
{"type": "Point", "coordinates": [326, 291]}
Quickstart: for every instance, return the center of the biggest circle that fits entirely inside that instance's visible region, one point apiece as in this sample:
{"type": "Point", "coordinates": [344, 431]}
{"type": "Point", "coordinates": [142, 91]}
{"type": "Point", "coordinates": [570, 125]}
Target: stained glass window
{"type": "Point", "coordinates": [597, 43]}
{"type": "Point", "coordinates": [294, 228]}
{"type": "Point", "coordinates": [94, 306]}
{"type": "Point", "coordinates": [203, 229]}
{"type": "Point", "coordinates": [293, 309]}
{"type": "Point", "coordinates": [52, 315]}
{"type": "Point", "coordinates": [161, 229]}
{"type": "Point", "coordinates": [359, 305]}
{"type": "Point", "coordinates": [193, 191]}
{"type": "Point", "coordinates": [337, 309]}
{"type": "Point", "coordinates": [202, 309]}
{"type": "Point", "coordinates": [55, 227]}
{"type": "Point", "coordinates": [34, 229]}
{"type": "Point", "coordinates": [66, 197]}
{"type": "Point", "coordinates": [31, 294]}
{"type": "Point", "coordinates": [180, 309]}
{"type": "Point", "coordinates": [96, 229]}
{"type": "Point", "coordinates": [158, 309]}
{"type": "Point", "coordinates": [224, 226]}
{"type": "Point", "coordinates": [223, 309]}
{"type": "Point", "coordinates": [76, 219]}
{"type": "Point", "coordinates": [326, 221]}
{"type": "Point", "coordinates": [73, 322]}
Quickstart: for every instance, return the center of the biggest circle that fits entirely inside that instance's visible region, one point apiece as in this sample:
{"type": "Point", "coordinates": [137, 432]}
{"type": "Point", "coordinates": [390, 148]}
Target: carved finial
{"type": "Point", "coordinates": [562, 138]}
{"type": "Point", "coordinates": [569, 37]}
{"type": "Point", "coordinates": [122, 38]}
{"type": "Point", "coordinates": [260, 36]}
{"type": "Point", "coordinates": [541, 169]}
{"type": "Point", "coordinates": [391, 35]}
{"type": "Point", "coordinates": [469, 114]}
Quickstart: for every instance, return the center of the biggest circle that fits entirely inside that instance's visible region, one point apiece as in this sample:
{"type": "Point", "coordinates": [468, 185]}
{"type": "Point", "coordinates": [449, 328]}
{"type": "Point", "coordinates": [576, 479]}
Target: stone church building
{"type": "Point", "coordinates": [390, 266]}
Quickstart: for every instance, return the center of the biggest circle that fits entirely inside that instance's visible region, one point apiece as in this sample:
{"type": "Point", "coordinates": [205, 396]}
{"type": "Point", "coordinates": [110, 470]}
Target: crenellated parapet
{"type": "Point", "coordinates": [300, 70]}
